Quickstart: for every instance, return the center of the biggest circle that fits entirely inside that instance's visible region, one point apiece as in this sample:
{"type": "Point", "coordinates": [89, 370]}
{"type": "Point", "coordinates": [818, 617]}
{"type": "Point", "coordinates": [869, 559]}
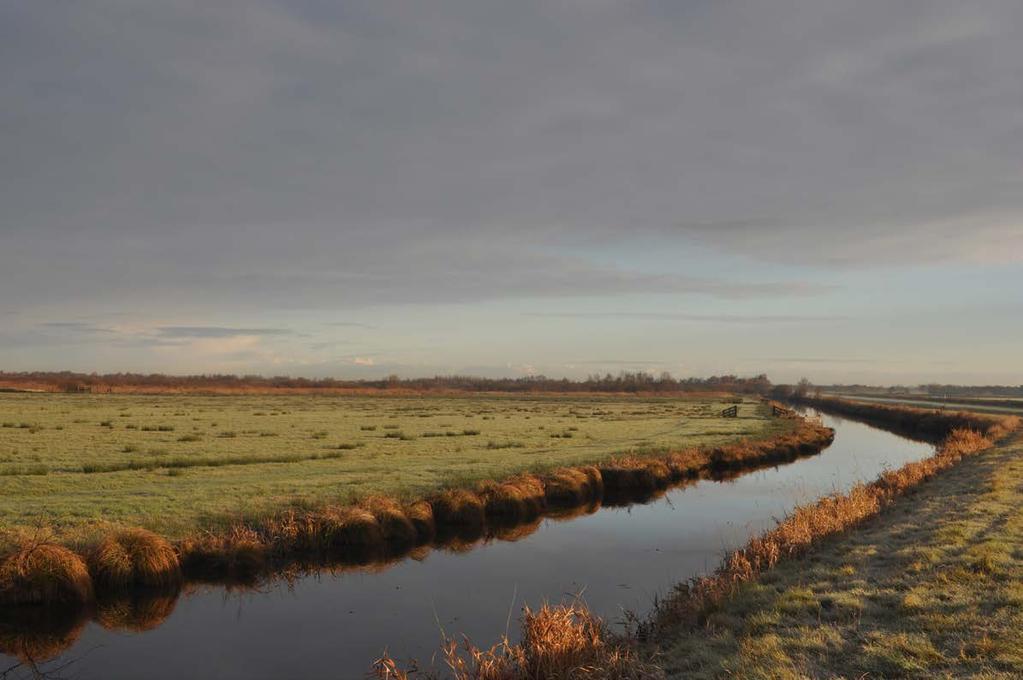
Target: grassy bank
{"type": "Point", "coordinates": [931, 588]}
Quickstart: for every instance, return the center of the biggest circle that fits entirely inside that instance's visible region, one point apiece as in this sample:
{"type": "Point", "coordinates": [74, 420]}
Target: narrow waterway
{"type": "Point", "coordinates": [332, 626]}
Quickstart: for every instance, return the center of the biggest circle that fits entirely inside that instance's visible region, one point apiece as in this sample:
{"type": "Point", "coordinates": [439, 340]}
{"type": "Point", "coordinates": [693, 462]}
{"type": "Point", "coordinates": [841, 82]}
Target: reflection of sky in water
{"type": "Point", "coordinates": [334, 626]}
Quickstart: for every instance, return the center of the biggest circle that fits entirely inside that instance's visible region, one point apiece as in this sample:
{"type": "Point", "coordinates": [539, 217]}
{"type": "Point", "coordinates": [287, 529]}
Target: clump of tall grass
{"type": "Point", "coordinates": [574, 486]}
{"type": "Point", "coordinates": [43, 573]}
{"type": "Point", "coordinates": [135, 557]}
{"type": "Point", "coordinates": [519, 499]}
{"type": "Point", "coordinates": [459, 508]}
{"type": "Point", "coordinates": [564, 642]}
{"type": "Point", "coordinates": [239, 554]}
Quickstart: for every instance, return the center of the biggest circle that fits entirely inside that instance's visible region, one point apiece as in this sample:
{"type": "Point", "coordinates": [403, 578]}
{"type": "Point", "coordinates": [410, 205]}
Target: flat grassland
{"type": "Point", "coordinates": [81, 463]}
{"type": "Point", "coordinates": [933, 588]}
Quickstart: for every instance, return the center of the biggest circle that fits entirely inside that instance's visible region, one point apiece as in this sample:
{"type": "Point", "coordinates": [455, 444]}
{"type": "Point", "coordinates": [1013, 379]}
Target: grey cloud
{"type": "Point", "coordinates": [74, 327]}
{"type": "Point", "coordinates": [343, 154]}
{"type": "Point", "coordinates": [216, 331]}
{"type": "Point", "coordinates": [815, 360]}
{"type": "Point", "coordinates": [710, 318]}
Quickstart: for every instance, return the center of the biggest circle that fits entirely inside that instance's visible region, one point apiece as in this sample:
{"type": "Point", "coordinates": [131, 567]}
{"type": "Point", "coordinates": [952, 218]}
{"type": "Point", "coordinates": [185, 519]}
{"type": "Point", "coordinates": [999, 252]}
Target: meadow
{"type": "Point", "coordinates": [80, 464]}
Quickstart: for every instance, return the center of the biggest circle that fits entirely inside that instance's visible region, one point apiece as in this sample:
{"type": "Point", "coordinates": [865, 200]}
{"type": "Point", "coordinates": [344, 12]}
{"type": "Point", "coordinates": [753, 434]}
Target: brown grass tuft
{"type": "Point", "coordinates": [135, 557]}
{"type": "Point", "coordinates": [239, 555]}
{"type": "Point", "coordinates": [558, 643]}
{"type": "Point", "coordinates": [420, 514]}
{"type": "Point", "coordinates": [396, 529]}
{"type": "Point", "coordinates": [568, 487]}
{"type": "Point", "coordinates": [458, 508]}
{"type": "Point", "coordinates": [520, 499]}
{"type": "Point", "coordinates": [42, 573]}
{"type": "Point", "coordinates": [345, 527]}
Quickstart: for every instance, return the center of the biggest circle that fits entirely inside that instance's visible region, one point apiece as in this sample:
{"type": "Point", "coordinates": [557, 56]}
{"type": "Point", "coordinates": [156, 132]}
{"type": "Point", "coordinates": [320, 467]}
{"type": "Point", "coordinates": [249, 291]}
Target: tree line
{"type": "Point", "coordinates": [624, 381]}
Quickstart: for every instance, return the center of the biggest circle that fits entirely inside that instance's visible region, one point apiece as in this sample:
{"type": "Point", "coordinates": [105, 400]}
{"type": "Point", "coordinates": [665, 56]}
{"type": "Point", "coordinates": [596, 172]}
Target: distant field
{"type": "Point", "coordinates": [170, 463]}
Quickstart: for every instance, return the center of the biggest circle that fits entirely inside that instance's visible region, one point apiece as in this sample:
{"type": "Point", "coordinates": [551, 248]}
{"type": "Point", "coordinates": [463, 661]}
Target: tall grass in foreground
{"type": "Point", "coordinates": [563, 642]}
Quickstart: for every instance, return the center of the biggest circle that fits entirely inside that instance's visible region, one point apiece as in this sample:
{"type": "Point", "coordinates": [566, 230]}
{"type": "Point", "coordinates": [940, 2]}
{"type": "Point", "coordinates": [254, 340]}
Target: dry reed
{"type": "Point", "coordinates": [564, 642]}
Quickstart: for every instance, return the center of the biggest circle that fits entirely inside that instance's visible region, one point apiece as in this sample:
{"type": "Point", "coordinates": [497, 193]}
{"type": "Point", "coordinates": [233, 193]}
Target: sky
{"type": "Point", "coordinates": [562, 187]}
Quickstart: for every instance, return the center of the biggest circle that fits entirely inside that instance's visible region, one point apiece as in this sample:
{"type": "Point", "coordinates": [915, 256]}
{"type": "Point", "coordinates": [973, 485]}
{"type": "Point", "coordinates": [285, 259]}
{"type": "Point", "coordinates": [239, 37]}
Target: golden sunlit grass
{"type": "Point", "coordinates": [43, 573]}
{"type": "Point", "coordinates": [134, 557]}
{"type": "Point", "coordinates": [558, 642]}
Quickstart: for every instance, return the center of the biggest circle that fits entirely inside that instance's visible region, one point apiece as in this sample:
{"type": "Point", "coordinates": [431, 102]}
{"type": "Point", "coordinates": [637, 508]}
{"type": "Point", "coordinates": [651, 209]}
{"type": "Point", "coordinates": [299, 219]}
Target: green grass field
{"type": "Point", "coordinates": [78, 463]}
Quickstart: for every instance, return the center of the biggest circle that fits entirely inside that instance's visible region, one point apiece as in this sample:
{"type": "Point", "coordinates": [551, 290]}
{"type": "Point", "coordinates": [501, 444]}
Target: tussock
{"type": "Point", "coordinates": [135, 557]}
{"type": "Point", "coordinates": [237, 556]}
{"type": "Point", "coordinates": [42, 573]}
{"type": "Point", "coordinates": [558, 643]}
{"type": "Point", "coordinates": [396, 529]}
{"type": "Point", "coordinates": [570, 487]}
{"type": "Point", "coordinates": [458, 508]}
{"type": "Point", "coordinates": [519, 499]}
{"type": "Point", "coordinates": [420, 514]}
{"type": "Point", "coordinates": [342, 527]}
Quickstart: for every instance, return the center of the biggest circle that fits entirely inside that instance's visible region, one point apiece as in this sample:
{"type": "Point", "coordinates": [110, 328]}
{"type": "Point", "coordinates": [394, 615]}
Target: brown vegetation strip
{"type": "Point", "coordinates": [921, 423]}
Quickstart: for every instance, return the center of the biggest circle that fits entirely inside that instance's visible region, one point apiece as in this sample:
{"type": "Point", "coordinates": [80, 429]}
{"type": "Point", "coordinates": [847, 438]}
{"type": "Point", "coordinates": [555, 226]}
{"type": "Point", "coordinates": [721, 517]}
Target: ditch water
{"type": "Point", "coordinates": [333, 626]}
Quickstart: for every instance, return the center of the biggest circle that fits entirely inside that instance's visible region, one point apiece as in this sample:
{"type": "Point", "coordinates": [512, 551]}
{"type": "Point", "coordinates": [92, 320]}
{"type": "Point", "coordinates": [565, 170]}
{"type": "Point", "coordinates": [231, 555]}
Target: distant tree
{"type": "Point", "coordinates": [803, 388]}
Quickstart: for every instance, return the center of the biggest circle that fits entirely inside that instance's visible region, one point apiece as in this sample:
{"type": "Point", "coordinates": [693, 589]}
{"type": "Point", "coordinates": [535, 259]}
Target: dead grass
{"type": "Point", "coordinates": [558, 643]}
{"type": "Point", "coordinates": [43, 573]}
{"type": "Point", "coordinates": [135, 557]}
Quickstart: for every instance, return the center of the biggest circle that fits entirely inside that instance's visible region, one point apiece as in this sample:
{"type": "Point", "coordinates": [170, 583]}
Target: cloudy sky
{"type": "Point", "coordinates": [314, 187]}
